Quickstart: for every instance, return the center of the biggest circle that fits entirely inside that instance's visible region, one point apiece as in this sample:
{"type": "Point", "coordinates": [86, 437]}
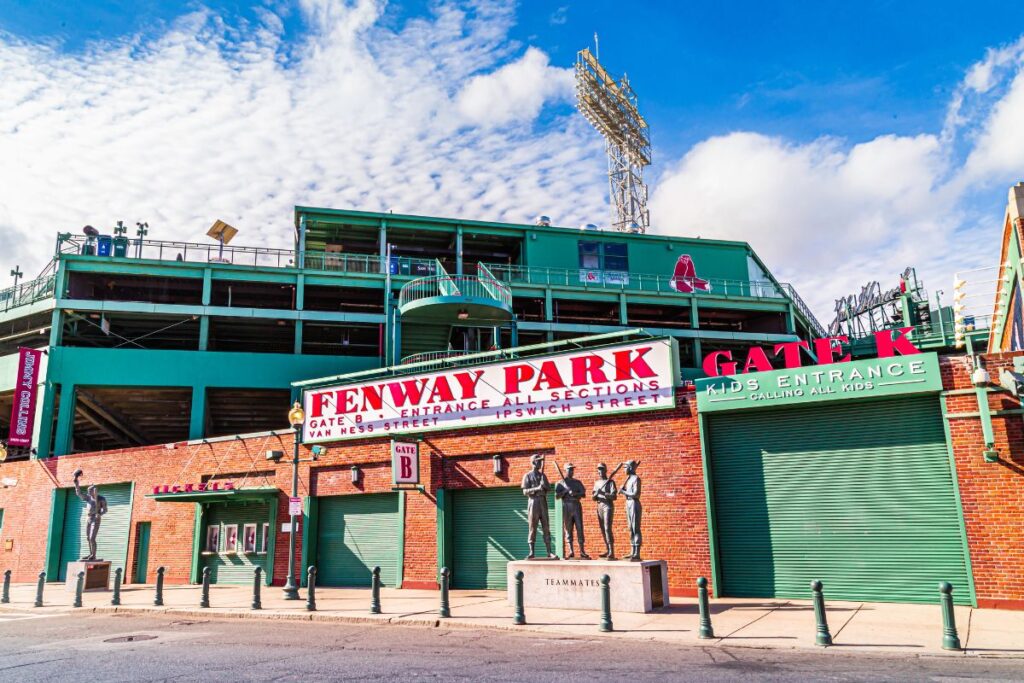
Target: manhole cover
{"type": "Point", "coordinates": [128, 639]}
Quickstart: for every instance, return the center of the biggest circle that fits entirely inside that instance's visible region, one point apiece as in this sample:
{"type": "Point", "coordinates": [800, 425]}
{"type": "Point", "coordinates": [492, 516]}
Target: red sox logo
{"type": "Point", "coordinates": [684, 277]}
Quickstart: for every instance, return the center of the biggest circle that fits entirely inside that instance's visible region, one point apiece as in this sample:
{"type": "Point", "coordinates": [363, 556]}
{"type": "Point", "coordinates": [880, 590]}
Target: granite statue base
{"type": "Point", "coordinates": [97, 575]}
{"type": "Point", "coordinates": [576, 584]}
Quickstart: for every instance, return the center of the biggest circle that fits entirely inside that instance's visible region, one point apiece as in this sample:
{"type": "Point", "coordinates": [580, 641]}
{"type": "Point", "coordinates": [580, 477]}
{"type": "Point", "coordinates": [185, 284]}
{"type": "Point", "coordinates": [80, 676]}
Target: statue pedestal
{"type": "Point", "coordinates": [97, 575]}
{"type": "Point", "coordinates": [576, 584]}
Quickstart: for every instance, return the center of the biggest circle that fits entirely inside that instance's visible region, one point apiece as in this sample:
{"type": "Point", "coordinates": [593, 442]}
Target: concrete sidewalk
{"type": "Point", "coordinates": [855, 627]}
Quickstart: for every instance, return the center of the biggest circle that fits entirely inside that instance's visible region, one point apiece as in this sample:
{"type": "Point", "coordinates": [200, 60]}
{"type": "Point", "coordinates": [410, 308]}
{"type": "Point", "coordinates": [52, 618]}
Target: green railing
{"type": "Point", "coordinates": [27, 292]}
{"type": "Point", "coordinates": [436, 356]}
{"type": "Point", "coordinates": [468, 286]}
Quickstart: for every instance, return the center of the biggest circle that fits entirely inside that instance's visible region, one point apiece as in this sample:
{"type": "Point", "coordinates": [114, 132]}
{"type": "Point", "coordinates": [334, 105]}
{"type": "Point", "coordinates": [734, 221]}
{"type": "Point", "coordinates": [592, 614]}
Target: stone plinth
{"type": "Point", "coordinates": [576, 584]}
{"type": "Point", "coordinates": [97, 575]}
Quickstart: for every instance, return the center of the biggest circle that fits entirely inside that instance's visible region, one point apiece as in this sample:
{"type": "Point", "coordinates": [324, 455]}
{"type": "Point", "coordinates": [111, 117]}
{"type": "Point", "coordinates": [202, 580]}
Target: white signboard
{"type": "Point", "coordinates": [614, 379]}
{"type": "Point", "coordinates": [295, 507]}
{"type": "Point", "coordinates": [405, 462]}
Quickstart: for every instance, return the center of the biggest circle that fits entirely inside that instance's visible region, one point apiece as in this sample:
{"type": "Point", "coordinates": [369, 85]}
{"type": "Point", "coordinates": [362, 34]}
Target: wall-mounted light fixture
{"type": "Point", "coordinates": [318, 451]}
{"type": "Point", "coordinates": [463, 314]}
{"type": "Point", "coordinates": [496, 459]}
{"type": "Point", "coordinates": [356, 473]}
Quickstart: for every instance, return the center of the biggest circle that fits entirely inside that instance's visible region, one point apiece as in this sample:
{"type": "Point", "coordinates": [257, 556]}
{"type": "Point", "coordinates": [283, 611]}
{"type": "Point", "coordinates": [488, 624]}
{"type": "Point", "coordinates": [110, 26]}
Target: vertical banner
{"type": "Point", "coordinates": [23, 414]}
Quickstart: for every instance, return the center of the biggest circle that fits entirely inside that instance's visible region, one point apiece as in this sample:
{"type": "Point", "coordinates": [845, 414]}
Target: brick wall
{"type": "Point", "coordinates": [992, 493]}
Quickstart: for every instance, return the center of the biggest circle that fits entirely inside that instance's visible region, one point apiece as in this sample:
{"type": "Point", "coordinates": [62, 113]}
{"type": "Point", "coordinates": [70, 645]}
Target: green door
{"type": "Point", "coordinates": [859, 495]}
{"type": "Point", "coordinates": [488, 530]}
{"type": "Point", "coordinates": [355, 534]}
{"type": "Point", "coordinates": [235, 565]}
{"type": "Point", "coordinates": [112, 539]}
{"type": "Point", "coordinates": [142, 530]}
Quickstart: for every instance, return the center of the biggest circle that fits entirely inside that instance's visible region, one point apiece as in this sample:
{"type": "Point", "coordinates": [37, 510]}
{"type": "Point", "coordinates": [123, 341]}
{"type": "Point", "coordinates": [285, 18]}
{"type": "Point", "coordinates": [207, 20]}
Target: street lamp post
{"type": "Point", "coordinates": [296, 416]}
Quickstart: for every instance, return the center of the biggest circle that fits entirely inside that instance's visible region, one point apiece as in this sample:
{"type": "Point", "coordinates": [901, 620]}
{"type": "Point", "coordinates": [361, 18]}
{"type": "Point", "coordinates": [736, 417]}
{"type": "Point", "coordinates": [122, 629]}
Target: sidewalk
{"type": "Point", "coordinates": [776, 624]}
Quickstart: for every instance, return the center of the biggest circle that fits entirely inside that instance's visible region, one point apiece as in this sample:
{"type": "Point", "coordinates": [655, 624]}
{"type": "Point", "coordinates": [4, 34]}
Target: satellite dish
{"type": "Point", "coordinates": [90, 231]}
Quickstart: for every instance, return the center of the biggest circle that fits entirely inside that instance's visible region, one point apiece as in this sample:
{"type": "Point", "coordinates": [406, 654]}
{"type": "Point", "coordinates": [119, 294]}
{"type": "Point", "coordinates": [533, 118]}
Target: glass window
{"type": "Point", "coordinates": [615, 257]}
{"type": "Point", "coordinates": [590, 255]}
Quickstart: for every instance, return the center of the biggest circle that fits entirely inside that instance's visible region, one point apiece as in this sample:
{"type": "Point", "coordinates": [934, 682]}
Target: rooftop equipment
{"type": "Point", "coordinates": [223, 233]}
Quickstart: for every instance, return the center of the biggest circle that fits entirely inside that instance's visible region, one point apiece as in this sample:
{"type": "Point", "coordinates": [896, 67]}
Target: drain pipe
{"type": "Point", "coordinates": [981, 379]}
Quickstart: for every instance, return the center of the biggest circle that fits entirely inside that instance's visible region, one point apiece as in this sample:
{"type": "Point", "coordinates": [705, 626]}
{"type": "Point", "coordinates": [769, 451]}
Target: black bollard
{"type": "Point", "coordinates": [444, 612]}
{"type": "Point", "coordinates": [606, 604]}
{"type": "Point", "coordinates": [375, 591]}
{"type": "Point", "coordinates": [39, 589]}
{"type": "Point", "coordinates": [705, 631]}
{"type": "Point", "coordinates": [115, 599]}
{"type": "Point", "coordinates": [520, 616]}
{"type": "Point", "coordinates": [6, 598]}
{"type": "Point", "coordinates": [256, 580]}
{"type": "Point", "coordinates": [950, 638]}
{"type": "Point", "coordinates": [158, 599]}
{"type": "Point", "coordinates": [79, 585]}
{"type": "Point", "coordinates": [311, 589]}
{"type": "Point", "coordinates": [204, 598]}
{"type": "Point", "coordinates": [822, 637]}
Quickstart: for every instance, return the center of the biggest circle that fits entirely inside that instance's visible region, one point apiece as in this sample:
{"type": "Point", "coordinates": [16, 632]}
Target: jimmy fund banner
{"type": "Point", "coordinates": [614, 379]}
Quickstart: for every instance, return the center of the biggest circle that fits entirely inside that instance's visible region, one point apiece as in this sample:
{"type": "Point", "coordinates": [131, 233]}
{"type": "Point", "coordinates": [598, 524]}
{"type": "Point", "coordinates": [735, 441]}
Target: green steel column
{"type": "Point", "coordinates": [458, 250]}
{"type": "Point", "coordinates": [623, 317]}
{"type": "Point", "coordinates": [694, 314]}
{"type": "Point", "coordinates": [56, 327]}
{"type": "Point", "coordinates": [549, 313]}
{"type": "Point", "coordinates": [197, 419]}
{"type": "Point", "coordinates": [207, 286]}
{"type": "Point", "coordinates": [298, 337]}
{"type": "Point", "coordinates": [204, 332]}
{"type": "Point", "coordinates": [45, 433]}
{"type": "Point", "coordinates": [300, 292]}
{"type": "Point", "coordinates": [790, 319]}
{"type": "Point", "coordinates": [396, 336]}
{"type": "Point", "coordinates": [65, 420]}
{"type": "Point", "coordinates": [301, 246]}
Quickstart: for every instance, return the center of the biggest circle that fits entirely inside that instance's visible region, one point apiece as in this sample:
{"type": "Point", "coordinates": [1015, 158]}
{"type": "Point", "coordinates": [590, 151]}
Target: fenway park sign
{"type": "Point", "coordinates": [614, 379]}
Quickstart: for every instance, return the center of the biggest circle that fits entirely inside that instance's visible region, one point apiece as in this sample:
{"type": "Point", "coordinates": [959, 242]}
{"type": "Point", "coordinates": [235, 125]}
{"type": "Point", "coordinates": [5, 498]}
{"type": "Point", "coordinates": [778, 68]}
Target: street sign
{"type": "Point", "coordinates": [295, 507]}
{"type": "Point", "coordinates": [405, 462]}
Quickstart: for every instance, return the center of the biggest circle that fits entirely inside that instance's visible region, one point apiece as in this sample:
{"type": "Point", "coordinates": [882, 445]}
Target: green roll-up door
{"type": "Point", "coordinates": [858, 495]}
{"type": "Point", "coordinates": [236, 567]}
{"type": "Point", "coordinates": [354, 535]}
{"type": "Point", "coordinates": [112, 539]}
{"type": "Point", "coordinates": [489, 529]}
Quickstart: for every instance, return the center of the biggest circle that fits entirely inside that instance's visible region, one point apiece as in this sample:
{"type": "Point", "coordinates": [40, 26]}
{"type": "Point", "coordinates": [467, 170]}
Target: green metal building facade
{"type": "Point", "coordinates": [153, 342]}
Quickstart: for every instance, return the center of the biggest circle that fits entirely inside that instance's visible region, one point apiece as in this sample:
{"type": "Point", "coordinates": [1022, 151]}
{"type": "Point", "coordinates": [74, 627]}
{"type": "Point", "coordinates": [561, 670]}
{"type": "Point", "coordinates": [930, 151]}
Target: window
{"type": "Point", "coordinates": [604, 256]}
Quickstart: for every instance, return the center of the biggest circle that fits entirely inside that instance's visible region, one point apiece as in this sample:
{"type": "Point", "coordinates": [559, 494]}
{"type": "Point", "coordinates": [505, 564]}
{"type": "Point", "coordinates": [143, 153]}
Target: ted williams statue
{"type": "Point", "coordinates": [535, 488]}
{"type": "Point", "coordinates": [97, 507]}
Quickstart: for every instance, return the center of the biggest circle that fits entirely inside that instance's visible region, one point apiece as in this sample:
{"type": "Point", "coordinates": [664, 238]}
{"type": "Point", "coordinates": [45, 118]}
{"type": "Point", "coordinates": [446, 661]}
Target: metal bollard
{"type": "Point", "coordinates": [311, 589]}
{"type": "Point", "coordinates": [79, 585]}
{"type": "Point", "coordinates": [158, 599]}
{"type": "Point", "coordinates": [115, 599]}
{"type": "Point", "coordinates": [444, 612]}
{"type": "Point", "coordinates": [520, 616]}
{"type": "Point", "coordinates": [257, 578]}
{"type": "Point", "coordinates": [39, 589]}
{"type": "Point", "coordinates": [950, 639]}
{"type": "Point", "coordinates": [204, 599]}
{"type": "Point", "coordinates": [606, 604]}
{"type": "Point", "coordinates": [6, 598]}
{"type": "Point", "coordinates": [375, 591]}
{"type": "Point", "coordinates": [822, 637]}
{"type": "Point", "coordinates": [705, 631]}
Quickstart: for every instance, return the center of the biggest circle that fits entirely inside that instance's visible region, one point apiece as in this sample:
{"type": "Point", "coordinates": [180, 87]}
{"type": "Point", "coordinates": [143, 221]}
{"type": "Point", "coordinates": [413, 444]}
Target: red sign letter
{"type": "Point", "coordinates": [637, 368]}
{"type": "Point", "coordinates": [514, 374]}
{"type": "Point", "coordinates": [900, 346]}
{"type": "Point", "coordinates": [712, 368]}
{"type": "Point", "coordinates": [826, 351]}
{"type": "Point", "coordinates": [791, 352]}
{"type": "Point", "coordinates": [757, 360]}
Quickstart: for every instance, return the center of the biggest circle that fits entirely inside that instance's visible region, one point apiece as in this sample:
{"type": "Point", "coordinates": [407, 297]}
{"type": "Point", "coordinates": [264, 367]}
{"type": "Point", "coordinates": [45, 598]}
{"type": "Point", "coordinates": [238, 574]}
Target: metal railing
{"type": "Point", "coordinates": [816, 327]}
{"type": "Point", "coordinates": [27, 292]}
{"type": "Point", "coordinates": [470, 286]}
{"type": "Point", "coordinates": [191, 252]}
{"type": "Point", "coordinates": [437, 356]}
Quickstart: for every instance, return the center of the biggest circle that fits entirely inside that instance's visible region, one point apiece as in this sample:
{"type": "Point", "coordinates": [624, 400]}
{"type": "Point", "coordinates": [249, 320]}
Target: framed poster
{"type": "Point", "coordinates": [249, 538]}
{"type": "Point", "coordinates": [231, 539]}
{"type": "Point", "coordinates": [266, 537]}
{"type": "Point", "coordinates": [213, 538]}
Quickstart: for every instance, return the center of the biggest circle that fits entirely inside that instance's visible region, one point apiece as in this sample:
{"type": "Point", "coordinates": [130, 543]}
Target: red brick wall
{"type": "Point", "coordinates": [992, 493]}
{"type": "Point", "coordinates": [666, 443]}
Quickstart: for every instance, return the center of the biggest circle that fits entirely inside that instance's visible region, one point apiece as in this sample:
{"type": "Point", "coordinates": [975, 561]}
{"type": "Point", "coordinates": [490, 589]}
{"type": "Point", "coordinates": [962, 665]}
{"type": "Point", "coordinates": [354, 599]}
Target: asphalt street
{"type": "Point", "coordinates": [134, 647]}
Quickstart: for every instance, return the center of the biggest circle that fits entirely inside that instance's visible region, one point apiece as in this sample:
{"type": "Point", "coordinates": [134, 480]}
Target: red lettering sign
{"type": "Point", "coordinates": [23, 412]}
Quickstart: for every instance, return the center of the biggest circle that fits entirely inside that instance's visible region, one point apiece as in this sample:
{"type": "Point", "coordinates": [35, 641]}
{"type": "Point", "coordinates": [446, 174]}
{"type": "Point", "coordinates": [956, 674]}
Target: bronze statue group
{"type": "Point", "coordinates": [571, 492]}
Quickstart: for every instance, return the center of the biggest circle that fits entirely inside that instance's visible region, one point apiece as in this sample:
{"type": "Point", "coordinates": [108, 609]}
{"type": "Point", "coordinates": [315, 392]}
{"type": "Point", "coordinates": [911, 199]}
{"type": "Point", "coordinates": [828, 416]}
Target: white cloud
{"type": "Point", "coordinates": [830, 216]}
{"type": "Point", "coordinates": [211, 120]}
{"type": "Point", "coordinates": [516, 92]}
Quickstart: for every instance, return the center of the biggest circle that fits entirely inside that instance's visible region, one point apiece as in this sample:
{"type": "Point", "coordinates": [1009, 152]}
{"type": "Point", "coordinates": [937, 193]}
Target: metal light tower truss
{"type": "Point", "coordinates": [610, 106]}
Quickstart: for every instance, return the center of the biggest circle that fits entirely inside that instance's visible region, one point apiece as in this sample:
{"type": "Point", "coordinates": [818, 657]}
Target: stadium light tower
{"type": "Point", "coordinates": [611, 107]}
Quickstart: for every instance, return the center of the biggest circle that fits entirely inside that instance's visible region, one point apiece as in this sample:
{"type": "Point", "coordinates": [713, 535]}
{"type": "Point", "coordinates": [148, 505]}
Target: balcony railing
{"type": "Point", "coordinates": [470, 286]}
{"type": "Point", "coordinates": [192, 252]}
{"type": "Point", "coordinates": [435, 356]}
{"type": "Point", "coordinates": [27, 292]}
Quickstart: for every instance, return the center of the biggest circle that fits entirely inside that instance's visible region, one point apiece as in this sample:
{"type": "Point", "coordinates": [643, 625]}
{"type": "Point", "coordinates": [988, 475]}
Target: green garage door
{"type": "Point", "coordinates": [112, 539]}
{"type": "Point", "coordinates": [355, 534]}
{"type": "Point", "coordinates": [236, 566]}
{"type": "Point", "coordinates": [489, 529]}
{"type": "Point", "coordinates": [859, 495]}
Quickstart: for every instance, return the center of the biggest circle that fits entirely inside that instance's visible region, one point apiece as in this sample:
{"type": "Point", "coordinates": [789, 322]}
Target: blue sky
{"type": "Point", "coordinates": [873, 134]}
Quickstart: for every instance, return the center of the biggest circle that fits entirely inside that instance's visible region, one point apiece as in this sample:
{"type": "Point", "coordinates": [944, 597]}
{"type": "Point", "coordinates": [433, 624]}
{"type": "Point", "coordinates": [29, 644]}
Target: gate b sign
{"type": "Point", "coordinates": [405, 462]}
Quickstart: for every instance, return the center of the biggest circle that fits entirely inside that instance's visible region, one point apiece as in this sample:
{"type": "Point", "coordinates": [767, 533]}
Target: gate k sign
{"type": "Point", "coordinates": [405, 462]}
